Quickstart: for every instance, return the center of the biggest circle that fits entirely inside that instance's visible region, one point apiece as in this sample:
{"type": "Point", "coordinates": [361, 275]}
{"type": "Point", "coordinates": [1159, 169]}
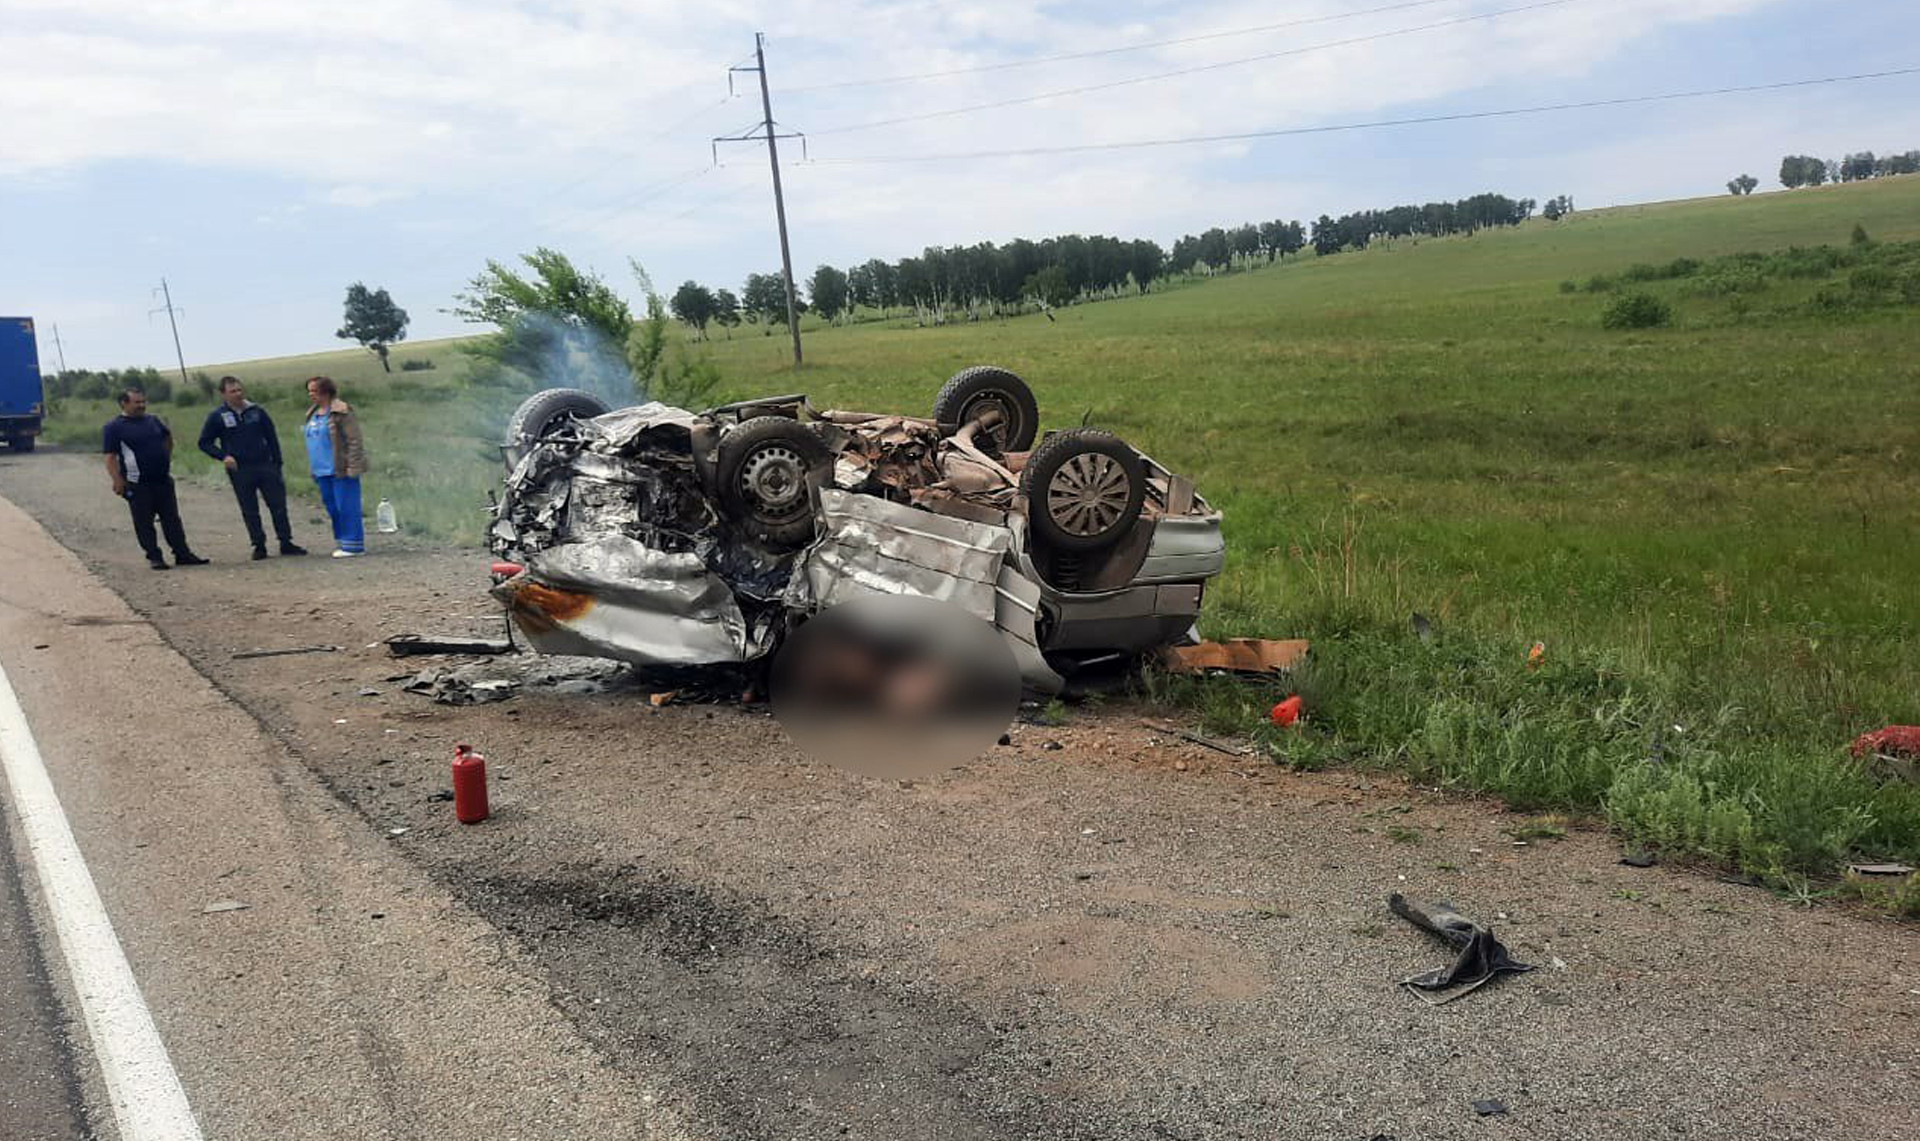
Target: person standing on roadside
{"type": "Point", "coordinates": [139, 450]}
{"type": "Point", "coordinates": [239, 434]}
{"type": "Point", "coordinates": [337, 457]}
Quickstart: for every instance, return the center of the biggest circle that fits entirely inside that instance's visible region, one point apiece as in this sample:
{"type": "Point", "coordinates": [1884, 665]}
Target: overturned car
{"type": "Point", "coordinates": [669, 538]}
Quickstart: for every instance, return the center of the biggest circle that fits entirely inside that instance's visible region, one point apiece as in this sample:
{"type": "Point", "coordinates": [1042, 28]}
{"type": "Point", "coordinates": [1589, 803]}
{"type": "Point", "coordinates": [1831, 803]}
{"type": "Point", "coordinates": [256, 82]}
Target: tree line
{"type": "Point", "coordinates": [1805, 170]}
{"type": "Point", "coordinates": [987, 280]}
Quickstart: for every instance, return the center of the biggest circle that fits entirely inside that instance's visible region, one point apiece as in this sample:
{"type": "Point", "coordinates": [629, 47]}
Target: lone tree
{"type": "Point", "coordinates": [374, 320]}
{"type": "Point", "coordinates": [828, 292]}
{"type": "Point", "coordinates": [695, 304]}
{"type": "Point", "coordinates": [1742, 185]}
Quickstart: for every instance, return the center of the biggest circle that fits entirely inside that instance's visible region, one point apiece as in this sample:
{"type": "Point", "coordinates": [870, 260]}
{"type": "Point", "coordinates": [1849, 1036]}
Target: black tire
{"type": "Point", "coordinates": [545, 410]}
{"type": "Point", "coordinates": [974, 390]}
{"type": "Point", "coordinates": [767, 470]}
{"type": "Point", "coordinates": [1084, 488]}
{"type": "Point", "coordinates": [22, 443]}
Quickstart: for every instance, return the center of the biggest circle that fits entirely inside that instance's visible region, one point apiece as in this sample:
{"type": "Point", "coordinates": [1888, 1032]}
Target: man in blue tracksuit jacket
{"type": "Point", "coordinates": [240, 435]}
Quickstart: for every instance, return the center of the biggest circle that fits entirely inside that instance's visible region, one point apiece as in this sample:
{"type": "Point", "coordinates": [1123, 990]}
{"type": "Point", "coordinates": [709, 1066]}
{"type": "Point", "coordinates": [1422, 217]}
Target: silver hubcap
{"type": "Point", "coordinates": [774, 480]}
{"type": "Point", "coordinates": [1087, 495]}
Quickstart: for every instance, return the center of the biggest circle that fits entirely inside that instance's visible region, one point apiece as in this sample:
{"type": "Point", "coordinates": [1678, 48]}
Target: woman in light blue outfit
{"type": "Point", "coordinates": [337, 457]}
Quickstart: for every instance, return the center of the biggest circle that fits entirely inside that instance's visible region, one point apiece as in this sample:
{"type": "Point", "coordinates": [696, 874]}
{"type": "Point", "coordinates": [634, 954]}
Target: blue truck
{"type": "Point", "coordinates": [22, 399]}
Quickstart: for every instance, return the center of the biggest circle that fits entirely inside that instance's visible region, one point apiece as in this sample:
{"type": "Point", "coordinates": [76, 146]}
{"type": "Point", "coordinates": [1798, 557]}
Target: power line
{"type": "Point", "coordinates": [596, 172]}
{"type": "Point", "coordinates": [1195, 70]}
{"type": "Point", "coordinates": [1279, 132]}
{"type": "Point", "coordinates": [1097, 53]}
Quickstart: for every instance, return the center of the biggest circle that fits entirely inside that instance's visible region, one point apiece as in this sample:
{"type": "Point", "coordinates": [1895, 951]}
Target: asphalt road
{"type": "Point", "coordinates": [675, 925]}
{"type": "Point", "coordinates": [349, 997]}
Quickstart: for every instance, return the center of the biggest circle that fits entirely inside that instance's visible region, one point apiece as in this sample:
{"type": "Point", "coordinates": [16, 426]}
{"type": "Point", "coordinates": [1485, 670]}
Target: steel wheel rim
{"type": "Point", "coordinates": [992, 401]}
{"type": "Point", "coordinates": [1088, 494]}
{"type": "Point", "coordinates": [774, 480]}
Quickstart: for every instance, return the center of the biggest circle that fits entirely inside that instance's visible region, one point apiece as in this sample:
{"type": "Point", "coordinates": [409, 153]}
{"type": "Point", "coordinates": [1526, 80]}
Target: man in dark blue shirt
{"type": "Point", "coordinates": [240, 435]}
{"type": "Point", "coordinates": [139, 451]}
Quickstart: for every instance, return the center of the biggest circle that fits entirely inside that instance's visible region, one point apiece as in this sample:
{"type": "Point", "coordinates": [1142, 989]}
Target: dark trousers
{"type": "Point", "coordinates": [263, 480]}
{"type": "Point", "coordinates": [148, 500]}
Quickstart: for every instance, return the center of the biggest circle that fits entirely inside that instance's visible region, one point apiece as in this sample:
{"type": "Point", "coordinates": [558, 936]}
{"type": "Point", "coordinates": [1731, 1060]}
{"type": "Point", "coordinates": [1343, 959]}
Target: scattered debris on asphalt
{"type": "Point", "coordinates": [223, 905]}
{"type": "Point", "coordinates": [279, 653]}
{"type": "Point", "coordinates": [1480, 958]}
{"type": "Point", "coordinates": [479, 683]}
{"type": "Point", "coordinates": [409, 645]}
{"type": "Point", "coordinates": [1263, 657]}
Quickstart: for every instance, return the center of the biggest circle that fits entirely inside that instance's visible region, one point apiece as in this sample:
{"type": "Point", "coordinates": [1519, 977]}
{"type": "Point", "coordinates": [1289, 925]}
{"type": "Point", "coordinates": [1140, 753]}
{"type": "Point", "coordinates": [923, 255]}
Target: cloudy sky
{"type": "Point", "coordinates": [261, 155]}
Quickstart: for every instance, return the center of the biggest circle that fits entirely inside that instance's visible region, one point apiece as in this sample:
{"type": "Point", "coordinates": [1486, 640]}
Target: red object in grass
{"type": "Point", "coordinates": [1536, 654]}
{"type": "Point", "coordinates": [1897, 740]}
{"type": "Point", "coordinates": [1286, 712]}
{"type": "Point", "coordinates": [505, 570]}
{"type": "Point", "coordinates": [469, 785]}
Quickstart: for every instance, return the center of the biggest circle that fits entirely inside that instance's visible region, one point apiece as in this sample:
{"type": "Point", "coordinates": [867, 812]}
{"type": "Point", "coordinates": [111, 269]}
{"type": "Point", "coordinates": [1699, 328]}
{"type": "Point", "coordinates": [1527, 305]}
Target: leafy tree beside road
{"type": "Point", "coordinates": [695, 305]}
{"type": "Point", "coordinates": [827, 292]}
{"type": "Point", "coordinates": [1742, 185]}
{"type": "Point", "coordinates": [374, 320]}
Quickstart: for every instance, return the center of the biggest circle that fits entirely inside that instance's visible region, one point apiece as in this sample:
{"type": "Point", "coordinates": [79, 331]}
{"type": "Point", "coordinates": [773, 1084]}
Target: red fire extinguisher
{"type": "Point", "coordinates": [469, 785]}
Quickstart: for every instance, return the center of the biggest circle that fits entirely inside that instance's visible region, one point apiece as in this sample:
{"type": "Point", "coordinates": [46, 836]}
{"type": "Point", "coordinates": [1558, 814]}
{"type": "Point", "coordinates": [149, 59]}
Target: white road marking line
{"type": "Point", "coordinates": [148, 1102]}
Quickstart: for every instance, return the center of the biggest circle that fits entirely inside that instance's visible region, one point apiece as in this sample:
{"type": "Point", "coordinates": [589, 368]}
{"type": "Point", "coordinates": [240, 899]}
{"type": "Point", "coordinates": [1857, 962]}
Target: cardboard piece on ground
{"type": "Point", "coordinates": [1237, 655]}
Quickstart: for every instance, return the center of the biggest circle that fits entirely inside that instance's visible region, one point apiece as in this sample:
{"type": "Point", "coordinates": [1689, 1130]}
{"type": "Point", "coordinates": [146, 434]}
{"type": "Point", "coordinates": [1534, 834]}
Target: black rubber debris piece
{"type": "Point", "coordinates": [1480, 957]}
{"type": "Point", "coordinates": [1489, 1107]}
{"type": "Point", "coordinates": [1639, 858]}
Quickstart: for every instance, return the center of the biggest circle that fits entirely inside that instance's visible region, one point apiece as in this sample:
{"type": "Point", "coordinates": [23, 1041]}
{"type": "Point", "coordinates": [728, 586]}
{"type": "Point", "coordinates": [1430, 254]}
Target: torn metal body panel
{"type": "Point", "coordinates": [615, 597]}
{"type": "Point", "coordinates": [664, 537]}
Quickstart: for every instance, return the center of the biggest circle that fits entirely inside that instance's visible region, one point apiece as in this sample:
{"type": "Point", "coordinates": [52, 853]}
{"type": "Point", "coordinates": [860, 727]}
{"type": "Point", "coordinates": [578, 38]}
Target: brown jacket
{"type": "Point", "coordinates": [349, 449]}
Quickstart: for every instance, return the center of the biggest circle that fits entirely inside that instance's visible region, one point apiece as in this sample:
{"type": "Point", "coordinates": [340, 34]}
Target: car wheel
{"type": "Point", "coordinates": [975, 391]}
{"type": "Point", "coordinates": [767, 469]}
{"type": "Point", "coordinates": [546, 410]}
{"type": "Point", "coordinates": [1084, 489]}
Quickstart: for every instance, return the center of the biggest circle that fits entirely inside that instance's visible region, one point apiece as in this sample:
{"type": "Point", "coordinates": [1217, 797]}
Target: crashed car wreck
{"type": "Point", "coordinates": [668, 538]}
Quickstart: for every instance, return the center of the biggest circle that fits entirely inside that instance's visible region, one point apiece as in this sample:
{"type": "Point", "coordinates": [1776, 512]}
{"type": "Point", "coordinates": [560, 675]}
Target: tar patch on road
{"type": "Point", "coordinates": [768, 1031]}
{"type": "Point", "coordinates": [40, 1097]}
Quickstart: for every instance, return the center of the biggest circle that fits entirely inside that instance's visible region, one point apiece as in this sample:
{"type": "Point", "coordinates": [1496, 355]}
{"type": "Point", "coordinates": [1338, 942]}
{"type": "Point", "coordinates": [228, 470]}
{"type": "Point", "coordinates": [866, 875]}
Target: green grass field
{"type": "Point", "coordinates": [1714, 525]}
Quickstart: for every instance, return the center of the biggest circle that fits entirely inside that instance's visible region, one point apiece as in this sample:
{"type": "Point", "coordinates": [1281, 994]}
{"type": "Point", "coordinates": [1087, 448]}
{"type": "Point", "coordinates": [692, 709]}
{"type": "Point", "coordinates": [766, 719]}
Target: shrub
{"type": "Point", "coordinates": [92, 386]}
{"type": "Point", "coordinates": [1569, 286]}
{"type": "Point", "coordinates": [416, 364]}
{"type": "Point", "coordinates": [158, 388]}
{"type": "Point", "coordinates": [1860, 235]}
{"type": "Point", "coordinates": [185, 396]}
{"type": "Point", "coordinates": [1637, 311]}
{"type": "Point", "coordinates": [1831, 299]}
{"type": "Point", "coordinates": [1681, 267]}
{"type": "Point", "coordinates": [1872, 279]}
{"type": "Point", "coordinates": [1727, 282]}
{"type": "Point", "coordinates": [1599, 283]}
{"type": "Point", "coordinates": [1641, 271]}
{"type": "Point", "coordinates": [205, 385]}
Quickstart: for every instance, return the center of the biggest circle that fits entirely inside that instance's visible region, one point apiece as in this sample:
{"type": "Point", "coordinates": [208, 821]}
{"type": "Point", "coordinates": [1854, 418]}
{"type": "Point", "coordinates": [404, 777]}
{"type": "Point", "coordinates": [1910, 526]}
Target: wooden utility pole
{"type": "Point", "coordinates": [779, 200]}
